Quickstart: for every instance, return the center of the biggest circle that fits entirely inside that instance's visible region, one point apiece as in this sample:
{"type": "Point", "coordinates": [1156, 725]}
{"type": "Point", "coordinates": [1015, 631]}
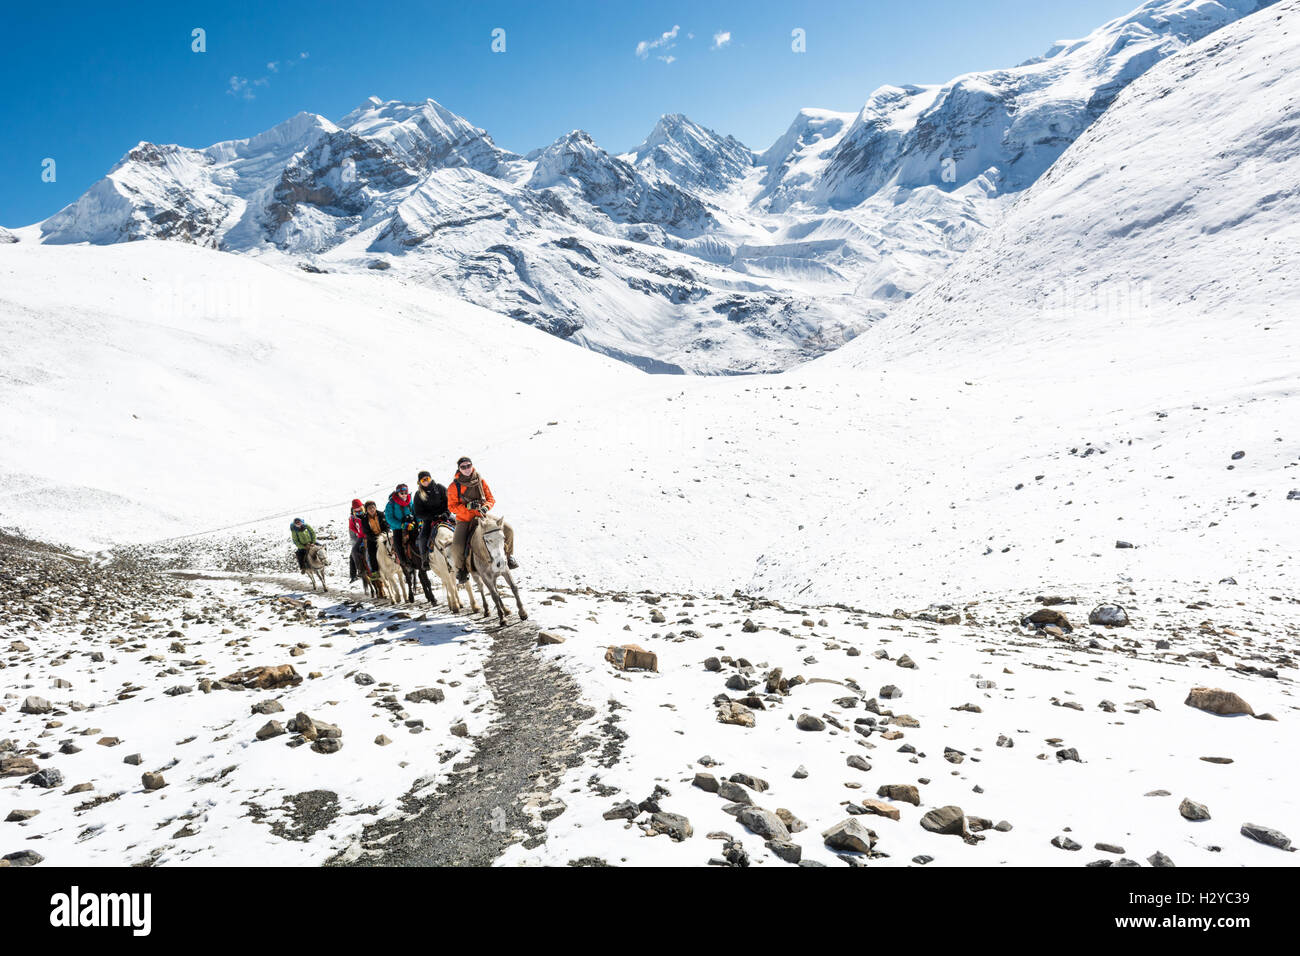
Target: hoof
{"type": "Point", "coordinates": [523, 615]}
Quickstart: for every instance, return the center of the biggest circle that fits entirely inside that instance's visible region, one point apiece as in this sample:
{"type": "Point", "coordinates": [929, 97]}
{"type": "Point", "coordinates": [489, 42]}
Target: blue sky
{"type": "Point", "coordinates": [83, 83]}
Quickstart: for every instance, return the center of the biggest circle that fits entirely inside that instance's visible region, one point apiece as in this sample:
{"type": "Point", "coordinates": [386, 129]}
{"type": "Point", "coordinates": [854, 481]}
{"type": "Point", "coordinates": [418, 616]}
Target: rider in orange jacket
{"type": "Point", "coordinates": [469, 496]}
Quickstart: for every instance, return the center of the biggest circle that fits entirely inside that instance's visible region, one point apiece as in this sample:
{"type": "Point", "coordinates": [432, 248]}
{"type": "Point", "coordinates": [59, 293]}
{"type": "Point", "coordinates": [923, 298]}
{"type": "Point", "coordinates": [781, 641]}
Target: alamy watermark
{"type": "Point", "coordinates": [75, 909]}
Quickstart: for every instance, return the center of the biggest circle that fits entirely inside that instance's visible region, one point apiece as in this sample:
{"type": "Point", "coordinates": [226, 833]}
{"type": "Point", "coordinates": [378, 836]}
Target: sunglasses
{"type": "Point", "coordinates": [402, 489]}
{"type": "Point", "coordinates": [468, 466]}
{"type": "Point", "coordinates": [425, 481]}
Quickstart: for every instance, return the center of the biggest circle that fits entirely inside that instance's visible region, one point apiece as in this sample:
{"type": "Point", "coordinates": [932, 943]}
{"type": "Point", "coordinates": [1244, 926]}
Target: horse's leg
{"type": "Point", "coordinates": [496, 598]}
{"type": "Point", "coordinates": [523, 615]}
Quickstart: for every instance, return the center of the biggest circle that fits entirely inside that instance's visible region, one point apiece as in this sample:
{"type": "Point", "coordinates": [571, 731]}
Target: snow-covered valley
{"type": "Point", "coordinates": [1095, 402]}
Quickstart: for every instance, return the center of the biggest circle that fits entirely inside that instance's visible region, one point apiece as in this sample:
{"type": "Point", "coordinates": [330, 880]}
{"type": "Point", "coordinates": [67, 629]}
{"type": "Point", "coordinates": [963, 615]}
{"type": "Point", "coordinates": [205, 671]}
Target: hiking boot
{"type": "Point", "coordinates": [511, 563]}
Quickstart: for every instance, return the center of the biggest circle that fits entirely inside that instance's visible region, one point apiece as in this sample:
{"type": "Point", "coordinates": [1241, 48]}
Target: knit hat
{"type": "Point", "coordinates": [356, 504]}
{"type": "Point", "coordinates": [463, 459]}
{"type": "Point", "coordinates": [422, 475]}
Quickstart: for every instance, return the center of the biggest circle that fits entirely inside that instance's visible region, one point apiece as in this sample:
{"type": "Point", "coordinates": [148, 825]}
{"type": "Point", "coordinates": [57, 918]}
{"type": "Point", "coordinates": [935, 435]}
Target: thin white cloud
{"type": "Point", "coordinates": [666, 40]}
{"type": "Point", "coordinates": [242, 86]}
{"type": "Point", "coordinates": [239, 87]}
{"type": "Point", "coordinates": [721, 39]}
{"type": "Point", "coordinates": [668, 59]}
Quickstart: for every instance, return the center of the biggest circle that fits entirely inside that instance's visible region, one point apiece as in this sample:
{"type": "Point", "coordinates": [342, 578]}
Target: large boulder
{"type": "Point", "coordinates": [905, 792]}
{"type": "Point", "coordinates": [1046, 617]}
{"type": "Point", "coordinates": [765, 823]}
{"type": "Point", "coordinates": [675, 825]}
{"type": "Point", "coordinates": [849, 835]}
{"type": "Point", "coordinates": [265, 678]}
{"type": "Point", "coordinates": [1215, 700]}
{"type": "Point", "coordinates": [632, 657]}
{"type": "Point", "coordinates": [1266, 835]}
{"type": "Point", "coordinates": [36, 705]}
{"type": "Point", "coordinates": [1111, 615]}
{"type": "Point", "coordinates": [17, 766]}
{"type": "Point", "coordinates": [945, 820]}
{"type": "Point", "coordinates": [734, 712]}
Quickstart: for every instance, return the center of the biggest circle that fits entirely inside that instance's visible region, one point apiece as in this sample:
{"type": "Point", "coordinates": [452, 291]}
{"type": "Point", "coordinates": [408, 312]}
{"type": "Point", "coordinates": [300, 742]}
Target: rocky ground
{"type": "Point", "coordinates": [154, 715]}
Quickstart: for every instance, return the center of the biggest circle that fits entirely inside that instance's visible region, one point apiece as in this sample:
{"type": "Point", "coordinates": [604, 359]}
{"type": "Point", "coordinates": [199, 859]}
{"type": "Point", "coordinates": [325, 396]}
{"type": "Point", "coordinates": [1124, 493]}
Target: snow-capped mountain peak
{"type": "Point", "coordinates": [690, 252]}
{"type": "Point", "coordinates": [616, 187]}
{"type": "Point", "coordinates": [692, 155]}
{"type": "Point", "coordinates": [426, 135]}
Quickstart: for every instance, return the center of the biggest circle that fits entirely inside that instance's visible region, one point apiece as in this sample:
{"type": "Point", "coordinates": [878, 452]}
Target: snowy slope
{"type": "Point", "coordinates": [911, 442]}
{"type": "Point", "coordinates": [1181, 200]}
{"type": "Point", "coordinates": [983, 445]}
{"type": "Point", "coordinates": [173, 388]}
{"type": "Point", "coordinates": [688, 253]}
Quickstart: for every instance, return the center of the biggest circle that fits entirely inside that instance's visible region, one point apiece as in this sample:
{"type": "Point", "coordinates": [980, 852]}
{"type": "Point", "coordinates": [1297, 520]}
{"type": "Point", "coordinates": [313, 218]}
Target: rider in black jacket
{"type": "Point", "coordinates": [429, 505]}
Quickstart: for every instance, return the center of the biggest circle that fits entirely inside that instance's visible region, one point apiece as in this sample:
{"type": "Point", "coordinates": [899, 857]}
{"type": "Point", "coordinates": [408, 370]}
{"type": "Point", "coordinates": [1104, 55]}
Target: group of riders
{"type": "Point", "coordinates": [414, 518]}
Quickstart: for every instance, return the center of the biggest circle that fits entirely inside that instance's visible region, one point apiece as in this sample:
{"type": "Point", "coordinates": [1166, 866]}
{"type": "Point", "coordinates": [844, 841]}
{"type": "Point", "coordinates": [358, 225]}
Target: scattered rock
{"type": "Point", "coordinates": [675, 825]}
{"type": "Point", "coordinates": [706, 781]}
{"type": "Point", "coordinates": [48, 779]}
{"type": "Point", "coordinates": [423, 694]}
{"type": "Point", "coordinates": [1193, 811]}
{"type": "Point", "coordinates": [1214, 700]}
{"type": "Point", "coordinates": [23, 858]}
{"type": "Point", "coordinates": [904, 792]}
{"type": "Point", "coordinates": [849, 834]}
{"type": "Point", "coordinates": [1266, 835]}
{"type": "Point", "coordinates": [1112, 615]}
{"type": "Point", "coordinates": [624, 810]}
{"type": "Point", "coordinates": [153, 781]}
{"type": "Point", "coordinates": [880, 808]}
{"type": "Point", "coordinates": [807, 721]}
{"type": "Point", "coordinates": [632, 657]}
{"type": "Point", "coordinates": [785, 850]}
{"type": "Point", "coordinates": [265, 678]}
{"type": "Point", "coordinates": [948, 819]}
{"type": "Point", "coordinates": [1159, 859]}
{"type": "Point", "coordinates": [1065, 843]}
{"type": "Point", "coordinates": [272, 728]}
{"type": "Point", "coordinates": [763, 822]}
{"type": "Point", "coordinates": [733, 712]}
{"type": "Point", "coordinates": [1046, 617]}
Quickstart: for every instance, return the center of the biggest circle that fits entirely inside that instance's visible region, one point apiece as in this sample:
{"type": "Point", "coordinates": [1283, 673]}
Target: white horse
{"type": "Point", "coordinates": [391, 578]}
{"type": "Point", "coordinates": [316, 561]}
{"type": "Point", "coordinates": [440, 564]}
{"type": "Point", "coordinates": [487, 548]}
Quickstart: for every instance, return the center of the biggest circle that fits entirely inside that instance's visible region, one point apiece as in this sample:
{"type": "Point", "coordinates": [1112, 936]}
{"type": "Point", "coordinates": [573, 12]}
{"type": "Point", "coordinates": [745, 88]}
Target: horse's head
{"type": "Point", "coordinates": [494, 539]}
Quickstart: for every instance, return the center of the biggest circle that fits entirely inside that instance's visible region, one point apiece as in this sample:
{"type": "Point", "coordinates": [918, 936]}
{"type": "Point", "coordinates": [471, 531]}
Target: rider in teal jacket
{"type": "Point", "coordinates": [398, 514]}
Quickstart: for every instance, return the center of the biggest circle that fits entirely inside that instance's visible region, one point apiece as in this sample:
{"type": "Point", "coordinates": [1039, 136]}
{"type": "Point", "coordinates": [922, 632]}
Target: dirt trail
{"type": "Point", "coordinates": [504, 793]}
